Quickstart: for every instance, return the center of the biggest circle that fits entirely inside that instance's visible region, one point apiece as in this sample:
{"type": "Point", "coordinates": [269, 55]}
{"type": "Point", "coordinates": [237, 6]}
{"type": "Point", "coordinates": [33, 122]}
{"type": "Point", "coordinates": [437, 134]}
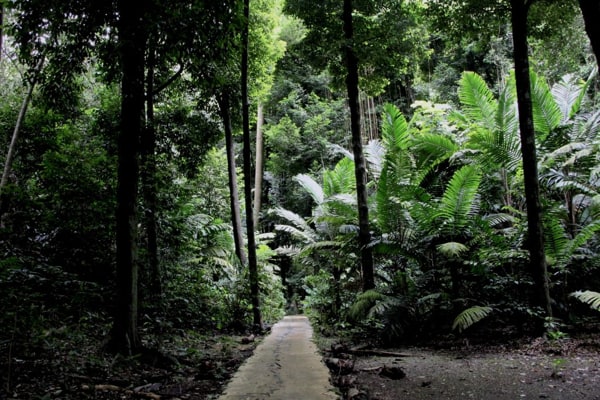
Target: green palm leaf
{"type": "Point", "coordinates": [507, 121]}
{"type": "Point", "coordinates": [452, 249]}
{"type": "Point", "coordinates": [477, 100]}
{"type": "Point", "coordinates": [588, 297]}
{"type": "Point", "coordinates": [568, 94]}
{"type": "Point", "coordinates": [546, 113]}
{"type": "Point", "coordinates": [311, 187]}
{"type": "Point", "coordinates": [471, 316]}
{"type": "Point", "coordinates": [394, 129]}
{"type": "Point", "coordinates": [459, 200]}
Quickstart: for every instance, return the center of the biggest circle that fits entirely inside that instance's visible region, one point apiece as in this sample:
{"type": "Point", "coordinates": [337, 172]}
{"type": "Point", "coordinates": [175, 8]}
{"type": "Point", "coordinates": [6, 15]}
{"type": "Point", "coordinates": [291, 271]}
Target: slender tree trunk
{"type": "Point", "coordinates": [252, 262]}
{"type": "Point", "coordinates": [528, 149]}
{"type": "Point", "coordinates": [12, 147]}
{"type": "Point", "coordinates": [234, 200]}
{"type": "Point", "coordinates": [364, 235]}
{"type": "Point", "coordinates": [149, 186]}
{"type": "Point", "coordinates": [590, 9]}
{"type": "Point", "coordinates": [125, 336]}
{"type": "Point", "coordinates": [258, 168]}
{"type": "Point", "coordinates": [1, 28]}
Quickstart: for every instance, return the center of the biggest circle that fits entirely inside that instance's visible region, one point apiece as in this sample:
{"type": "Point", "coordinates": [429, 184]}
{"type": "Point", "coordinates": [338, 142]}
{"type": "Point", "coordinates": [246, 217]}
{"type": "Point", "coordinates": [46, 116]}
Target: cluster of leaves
{"type": "Point", "coordinates": [447, 202]}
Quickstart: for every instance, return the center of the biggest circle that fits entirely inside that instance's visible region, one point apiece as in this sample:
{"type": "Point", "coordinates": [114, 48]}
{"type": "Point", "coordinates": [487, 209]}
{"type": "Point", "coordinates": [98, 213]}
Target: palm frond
{"type": "Point", "coordinates": [394, 129]}
{"type": "Point", "coordinates": [507, 121]}
{"type": "Point", "coordinates": [303, 236]}
{"type": "Point", "coordinates": [452, 249]}
{"type": "Point", "coordinates": [588, 297]}
{"type": "Point", "coordinates": [546, 113]}
{"type": "Point", "coordinates": [341, 179]}
{"type": "Point", "coordinates": [555, 240]}
{"type": "Point", "coordinates": [375, 154]}
{"type": "Point", "coordinates": [477, 99]}
{"type": "Point", "coordinates": [323, 244]}
{"type": "Point", "coordinates": [471, 316]}
{"type": "Point", "coordinates": [581, 238]}
{"type": "Point", "coordinates": [364, 303]}
{"type": "Point", "coordinates": [459, 199]}
{"type": "Point", "coordinates": [291, 217]}
{"type": "Point", "coordinates": [568, 94]}
{"type": "Point", "coordinates": [311, 187]}
{"type": "Point", "coordinates": [433, 148]}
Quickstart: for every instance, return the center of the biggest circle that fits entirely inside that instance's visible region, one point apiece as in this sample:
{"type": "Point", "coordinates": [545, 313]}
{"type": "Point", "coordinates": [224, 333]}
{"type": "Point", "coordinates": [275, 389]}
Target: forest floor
{"type": "Point", "coordinates": [68, 364]}
{"type": "Point", "coordinates": [564, 369]}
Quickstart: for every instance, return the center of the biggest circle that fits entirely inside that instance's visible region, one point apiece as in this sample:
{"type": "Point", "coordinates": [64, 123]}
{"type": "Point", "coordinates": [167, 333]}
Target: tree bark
{"type": "Point", "coordinates": [590, 9]}
{"type": "Point", "coordinates": [125, 336]}
{"type": "Point", "coordinates": [364, 235]}
{"type": "Point", "coordinates": [252, 262]}
{"type": "Point", "coordinates": [1, 28]}
{"type": "Point", "coordinates": [258, 168]}
{"type": "Point", "coordinates": [234, 200]}
{"type": "Point", "coordinates": [149, 186]}
{"type": "Point", "coordinates": [12, 147]}
{"type": "Point", "coordinates": [528, 150]}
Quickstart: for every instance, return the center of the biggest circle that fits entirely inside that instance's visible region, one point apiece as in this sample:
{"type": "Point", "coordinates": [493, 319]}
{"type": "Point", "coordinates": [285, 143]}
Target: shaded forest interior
{"type": "Point", "coordinates": [179, 175]}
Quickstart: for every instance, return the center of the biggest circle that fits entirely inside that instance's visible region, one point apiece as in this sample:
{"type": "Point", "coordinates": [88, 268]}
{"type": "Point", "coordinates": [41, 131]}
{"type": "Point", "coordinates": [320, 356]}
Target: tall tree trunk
{"type": "Point", "coordinates": [12, 147]}
{"type": "Point", "coordinates": [149, 186]}
{"type": "Point", "coordinates": [364, 235]}
{"type": "Point", "coordinates": [252, 262]}
{"type": "Point", "coordinates": [1, 28]}
{"type": "Point", "coordinates": [234, 200]}
{"type": "Point", "coordinates": [258, 168]}
{"type": "Point", "coordinates": [125, 336]}
{"type": "Point", "coordinates": [528, 149]}
{"type": "Point", "coordinates": [590, 9]}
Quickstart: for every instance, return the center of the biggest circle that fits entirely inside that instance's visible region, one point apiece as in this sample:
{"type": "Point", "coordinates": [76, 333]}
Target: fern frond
{"type": "Point", "coordinates": [588, 297]}
{"type": "Point", "coordinates": [471, 316]}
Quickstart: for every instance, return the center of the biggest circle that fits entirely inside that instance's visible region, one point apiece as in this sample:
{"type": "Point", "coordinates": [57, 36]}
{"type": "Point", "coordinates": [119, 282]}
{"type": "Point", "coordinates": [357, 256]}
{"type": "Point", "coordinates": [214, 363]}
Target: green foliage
{"type": "Point", "coordinates": [470, 316]}
{"type": "Point", "coordinates": [477, 99]}
{"type": "Point", "coordinates": [588, 297]}
{"type": "Point", "coordinates": [459, 202]}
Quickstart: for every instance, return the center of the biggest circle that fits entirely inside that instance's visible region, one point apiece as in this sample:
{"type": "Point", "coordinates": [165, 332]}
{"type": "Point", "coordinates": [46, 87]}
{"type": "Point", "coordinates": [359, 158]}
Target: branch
{"type": "Point", "coordinates": [169, 81]}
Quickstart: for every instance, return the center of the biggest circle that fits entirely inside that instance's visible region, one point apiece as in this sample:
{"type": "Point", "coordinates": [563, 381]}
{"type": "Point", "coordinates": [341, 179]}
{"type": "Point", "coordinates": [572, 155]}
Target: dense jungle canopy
{"type": "Point", "coordinates": [398, 170]}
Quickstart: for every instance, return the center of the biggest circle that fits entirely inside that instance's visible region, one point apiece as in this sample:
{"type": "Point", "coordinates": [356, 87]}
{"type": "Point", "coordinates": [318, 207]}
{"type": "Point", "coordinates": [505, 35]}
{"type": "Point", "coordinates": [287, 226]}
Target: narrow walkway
{"type": "Point", "coordinates": [285, 366]}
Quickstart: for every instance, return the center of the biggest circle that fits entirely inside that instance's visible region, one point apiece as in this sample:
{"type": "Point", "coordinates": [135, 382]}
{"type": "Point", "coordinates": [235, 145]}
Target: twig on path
{"type": "Point", "coordinates": [114, 388]}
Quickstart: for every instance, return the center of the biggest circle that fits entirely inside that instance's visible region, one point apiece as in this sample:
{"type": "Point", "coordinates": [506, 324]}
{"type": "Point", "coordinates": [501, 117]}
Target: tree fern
{"type": "Point", "coordinates": [588, 297]}
{"type": "Point", "coordinates": [471, 316]}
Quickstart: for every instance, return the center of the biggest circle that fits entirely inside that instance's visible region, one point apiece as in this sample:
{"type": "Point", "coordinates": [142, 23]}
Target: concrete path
{"type": "Point", "coordinates": [285, 366]}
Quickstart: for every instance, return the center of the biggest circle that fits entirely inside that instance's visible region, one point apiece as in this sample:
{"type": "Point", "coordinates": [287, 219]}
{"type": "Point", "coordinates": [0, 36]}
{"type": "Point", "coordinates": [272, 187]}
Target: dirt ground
{"type": "Point", "coordinates": [538, 370]}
